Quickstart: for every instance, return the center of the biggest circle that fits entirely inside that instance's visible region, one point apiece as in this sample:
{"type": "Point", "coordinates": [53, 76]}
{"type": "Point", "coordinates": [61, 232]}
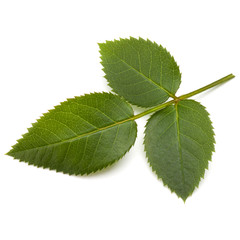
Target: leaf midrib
{"type": "Point", "coordinates": [179, 143]}
{"type": "Point", "coordinates": [81, 135]}
{"type": "Point", "coordinates": [143, 75]}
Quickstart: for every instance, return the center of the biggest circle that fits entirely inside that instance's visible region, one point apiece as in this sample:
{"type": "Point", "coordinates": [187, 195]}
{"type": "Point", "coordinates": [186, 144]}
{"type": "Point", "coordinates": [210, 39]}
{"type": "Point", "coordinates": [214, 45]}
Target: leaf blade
{"type": "Point", "coordinates": [179, 141]}
{"type": "Point", "coordinates": [80, 136]}
{"type": "Point", "coordinates": [143, 72]}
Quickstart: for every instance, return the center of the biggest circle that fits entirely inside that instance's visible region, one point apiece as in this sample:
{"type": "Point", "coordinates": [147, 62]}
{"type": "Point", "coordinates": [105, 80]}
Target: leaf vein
{"type": "Point", "coordinates": [143, 75]}
{"type": "Point", "coordinates": [179, 145]}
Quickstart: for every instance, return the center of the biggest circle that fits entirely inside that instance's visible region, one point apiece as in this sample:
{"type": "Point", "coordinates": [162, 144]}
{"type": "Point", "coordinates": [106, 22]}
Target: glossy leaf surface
{"type": "Point", "coordinates": [141, 71]}
{"type": "Point", "coordinates": [179, 141]}
{"type": "Point", "coordinates": [80, 136]}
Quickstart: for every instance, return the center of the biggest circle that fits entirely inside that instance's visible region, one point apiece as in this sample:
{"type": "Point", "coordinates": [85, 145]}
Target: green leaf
{"type": "Point", "coordinates": [80, 136]}
{"type": "Point", "coordinates": [141, 71]}
{"type": "Point", "coordinates": [179, 141]}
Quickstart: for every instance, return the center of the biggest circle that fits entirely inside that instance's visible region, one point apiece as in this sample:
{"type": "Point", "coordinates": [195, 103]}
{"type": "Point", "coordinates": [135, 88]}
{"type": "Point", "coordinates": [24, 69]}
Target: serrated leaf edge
{"type": "Point", "coordinates": [139, 38]}
{"type": "Point", "coordinates": [65, 172]}
{"type": "Point", "coordinates": [154, 171]}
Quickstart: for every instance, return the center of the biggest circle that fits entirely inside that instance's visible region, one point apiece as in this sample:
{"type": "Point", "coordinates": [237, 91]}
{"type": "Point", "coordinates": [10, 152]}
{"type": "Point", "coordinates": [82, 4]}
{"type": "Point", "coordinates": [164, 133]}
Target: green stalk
{"type": "Point", "coordinates": [151, 110]}
{"type": "Point", "coordinates": [184, 96]}
{"type": "Point", "coordinates": [211, 85]}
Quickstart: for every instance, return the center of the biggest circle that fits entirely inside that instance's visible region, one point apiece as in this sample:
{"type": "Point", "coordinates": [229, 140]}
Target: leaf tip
{"type": "Point", "coordinates": [10, 153]}
{"type": "Point", "coordinates": [183, 197]}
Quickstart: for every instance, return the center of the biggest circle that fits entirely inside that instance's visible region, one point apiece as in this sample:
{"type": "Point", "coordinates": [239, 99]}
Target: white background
{"type": "Point", "coordinates": [49, 52]}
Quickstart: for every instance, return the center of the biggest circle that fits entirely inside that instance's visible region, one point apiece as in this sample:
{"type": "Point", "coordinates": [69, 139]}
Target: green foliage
{"type": "Point", "coordinates": [82, 135]}
{"type": "Point", "coordinates": [143, 72]}
{"type": "Point", "coordinates": [88, 133]}
{"type": "Point", "coordinates": [179, 141]}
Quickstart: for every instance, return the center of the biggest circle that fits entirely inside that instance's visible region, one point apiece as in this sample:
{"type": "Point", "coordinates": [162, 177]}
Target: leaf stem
{"type": "Point", "coordinates": [154, 109]}
{"type": "Point", "coordinates": [184, 96]}
{"type": "Point", "coordinates": [213, 84]}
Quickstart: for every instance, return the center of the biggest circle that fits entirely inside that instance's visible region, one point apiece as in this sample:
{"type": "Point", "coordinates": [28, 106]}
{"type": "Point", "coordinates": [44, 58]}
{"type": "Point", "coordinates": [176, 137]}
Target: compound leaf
{"type": "Point", "coordinates": [179, 141]}
{"type": "Point", "coordinates": [80, 136]}
{"type": "Point", "coordinates": [141, 71]}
